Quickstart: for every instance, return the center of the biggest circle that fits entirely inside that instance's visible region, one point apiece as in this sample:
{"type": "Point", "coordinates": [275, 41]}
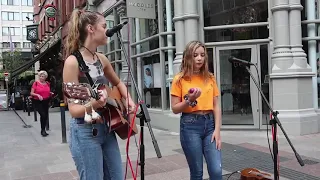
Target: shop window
{"type": "Point", "coordinates": [151, 81]}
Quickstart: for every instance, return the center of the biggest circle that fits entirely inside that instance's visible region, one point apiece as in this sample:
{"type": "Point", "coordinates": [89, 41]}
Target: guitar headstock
{"type": "Point", "coordinates": [77, 93]}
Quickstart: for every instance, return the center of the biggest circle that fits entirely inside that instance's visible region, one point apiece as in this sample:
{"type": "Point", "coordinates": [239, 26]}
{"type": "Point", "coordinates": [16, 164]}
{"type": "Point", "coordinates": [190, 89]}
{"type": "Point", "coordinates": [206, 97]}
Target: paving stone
{"type": "Point", "coordinates": [24, 173]}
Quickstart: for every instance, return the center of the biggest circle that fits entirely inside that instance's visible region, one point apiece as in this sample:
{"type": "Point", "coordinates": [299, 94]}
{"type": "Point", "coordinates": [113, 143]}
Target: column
{"type": "Point", "coordinates": [179, 34]}
{"type": "Point", "coordinates": [191, 17]}
{"type": "Point", "coordinates": [312, 48]}
{"type": "Point", "coordinates": [138, 51]}
{"type": "Point", "coordinates": [124, 34]}
{"type": "Point", "coordinates": [290, 74]}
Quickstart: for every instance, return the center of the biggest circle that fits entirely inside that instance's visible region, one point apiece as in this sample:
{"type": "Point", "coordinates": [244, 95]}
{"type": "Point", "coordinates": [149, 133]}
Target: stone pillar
{"type": "Point", "coordinates": [290, 74]}
{"type": "Point", "coordinates": [124, 34]}
{"type": "Point", "coordinates": [191, 17]}
{"type": "Point", "coordinates": [179, 34]}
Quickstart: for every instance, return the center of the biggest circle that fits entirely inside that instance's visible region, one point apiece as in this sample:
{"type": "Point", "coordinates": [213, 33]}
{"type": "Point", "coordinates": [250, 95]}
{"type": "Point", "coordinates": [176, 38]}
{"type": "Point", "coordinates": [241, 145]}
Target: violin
{"type": "Point", "coordinates": [254, 174]}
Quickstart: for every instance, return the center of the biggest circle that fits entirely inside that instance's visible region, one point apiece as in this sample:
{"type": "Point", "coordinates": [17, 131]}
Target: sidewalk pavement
{"type": "Point", "coordinates": [26, 155]}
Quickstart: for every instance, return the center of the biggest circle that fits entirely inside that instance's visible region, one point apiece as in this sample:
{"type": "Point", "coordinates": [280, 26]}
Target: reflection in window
{"type": "Point", "coordinates": [229, 12]}
{"type": "Point", "coordinates": [151, 81]}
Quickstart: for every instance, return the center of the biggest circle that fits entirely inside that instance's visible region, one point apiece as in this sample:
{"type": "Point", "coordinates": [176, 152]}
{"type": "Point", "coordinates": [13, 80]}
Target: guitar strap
{"type": "Point", "coordinates": [82, 66]}
{"type": "Point", "coordinates": [85, 69]}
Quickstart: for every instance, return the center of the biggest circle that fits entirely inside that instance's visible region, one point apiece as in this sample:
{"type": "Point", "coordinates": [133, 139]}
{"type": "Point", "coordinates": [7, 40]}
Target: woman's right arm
{"type": "Point", "coordinates": [32, 90]}
{"type": "Point", "coordinates": [70, 74]}
{"type": "Point", "coordinates": [177, 105]}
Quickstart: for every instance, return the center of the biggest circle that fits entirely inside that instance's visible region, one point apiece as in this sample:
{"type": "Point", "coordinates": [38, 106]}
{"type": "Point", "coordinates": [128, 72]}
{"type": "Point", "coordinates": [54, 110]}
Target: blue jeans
{"type": "Point", "coordinates": [195, 137]}
{"type": "Point", "coordinates": [96, 158]}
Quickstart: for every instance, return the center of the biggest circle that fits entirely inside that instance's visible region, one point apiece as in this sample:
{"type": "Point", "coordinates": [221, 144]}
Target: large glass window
{"type": "Point", "coordinates": [153, 81]}
{"type": "Point", "coordinates": [15, 31]}
{"type": "Point", "coordinates": [228, 12]}
{"type": "Point", "coordinates": [10, 16]}
{"type": "Point", "coordinates": [26, 16]}
{"type": "Point", "coordinates": [10, 2]}
{"type": "Point", "coordinates": [26, 2]}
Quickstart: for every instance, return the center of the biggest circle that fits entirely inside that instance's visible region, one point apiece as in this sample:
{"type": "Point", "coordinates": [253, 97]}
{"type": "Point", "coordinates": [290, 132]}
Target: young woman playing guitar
{"type": "Point", "coordinates": [94, 149]}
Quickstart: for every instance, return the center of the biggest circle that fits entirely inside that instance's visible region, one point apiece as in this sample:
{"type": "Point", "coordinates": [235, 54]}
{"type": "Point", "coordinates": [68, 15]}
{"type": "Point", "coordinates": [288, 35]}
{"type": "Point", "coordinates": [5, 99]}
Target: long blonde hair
{"type": "Point", "coordinates": [77, 28]}
{"type": "Point", "coordinates": [186, 68]}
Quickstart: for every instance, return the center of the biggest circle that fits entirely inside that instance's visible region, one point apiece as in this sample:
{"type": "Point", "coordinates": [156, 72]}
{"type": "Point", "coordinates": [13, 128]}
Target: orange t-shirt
{"type": "Point", "coordinates": [209, 90]}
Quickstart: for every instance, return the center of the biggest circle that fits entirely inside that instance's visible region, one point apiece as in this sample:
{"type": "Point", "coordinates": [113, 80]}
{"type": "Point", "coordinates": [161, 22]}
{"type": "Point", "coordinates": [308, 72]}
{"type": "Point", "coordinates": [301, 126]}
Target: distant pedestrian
{"type": "Point", "coordinates": [194, 94]}
{"type": "Point", "coordinates": [40, 92]}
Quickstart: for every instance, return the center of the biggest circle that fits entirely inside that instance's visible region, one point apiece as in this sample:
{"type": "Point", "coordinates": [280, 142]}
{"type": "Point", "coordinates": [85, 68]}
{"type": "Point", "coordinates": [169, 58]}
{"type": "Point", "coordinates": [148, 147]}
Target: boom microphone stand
{"type": "Point", "coordinates": [274, 122]}
{"type": "Point", "coordinates": [143, 115]}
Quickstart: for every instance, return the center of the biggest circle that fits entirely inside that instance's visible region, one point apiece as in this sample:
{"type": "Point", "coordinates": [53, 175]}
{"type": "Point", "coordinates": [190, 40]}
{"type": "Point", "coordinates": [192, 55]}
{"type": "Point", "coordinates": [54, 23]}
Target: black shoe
{"type": "Point", "coordinates": [44, 133]}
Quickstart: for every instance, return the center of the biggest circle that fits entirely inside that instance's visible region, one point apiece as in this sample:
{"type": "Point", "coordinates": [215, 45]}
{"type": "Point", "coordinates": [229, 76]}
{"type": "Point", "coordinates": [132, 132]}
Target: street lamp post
{"type": "Point", "coordinates": [6, 78]}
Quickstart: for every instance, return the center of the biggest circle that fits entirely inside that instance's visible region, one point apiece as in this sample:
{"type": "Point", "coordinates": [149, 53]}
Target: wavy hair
{"type": "Point", "coordinates": [77, 28]}
{"type": "Point", "coordinates": [186, 68]}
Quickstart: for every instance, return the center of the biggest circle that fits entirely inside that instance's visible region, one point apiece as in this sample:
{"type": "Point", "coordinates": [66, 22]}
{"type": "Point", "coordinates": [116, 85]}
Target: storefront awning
{"type": "Point", "coordinates": [30, 63]}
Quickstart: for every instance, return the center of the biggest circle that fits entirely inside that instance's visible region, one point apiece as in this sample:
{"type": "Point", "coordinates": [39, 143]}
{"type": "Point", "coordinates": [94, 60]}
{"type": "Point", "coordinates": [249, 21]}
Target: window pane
{"type": "Point", "coordinates": [4, 2]}
{"type": "Point", "coordinates": [24, 31]}
{"type": "Point", "coordinates": [12, 31]}
{"type": "Point", "coordinates": [16, 16]}
{"type": "Point", "coordinates": [10, 2]}
{"type": "Point", "coordinates": [4, 15]}
{"type": "Point", "coordinates": [5, 31]}
{"type": "Point", "coordinates": [16, 2]}
{"type": "Point", "coordinates": [24, 2]}
{"type": "Point", "coordinates": [30, 2]}
{"type": "Point", "coordinates": [17, 31]}
{"type": "Point", "coordinates": [10, 16]}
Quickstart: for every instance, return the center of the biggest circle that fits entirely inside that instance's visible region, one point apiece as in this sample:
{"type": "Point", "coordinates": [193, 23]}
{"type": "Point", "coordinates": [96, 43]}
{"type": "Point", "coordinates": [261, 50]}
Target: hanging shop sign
{"type": "Point", "coordinates": [50, 11]}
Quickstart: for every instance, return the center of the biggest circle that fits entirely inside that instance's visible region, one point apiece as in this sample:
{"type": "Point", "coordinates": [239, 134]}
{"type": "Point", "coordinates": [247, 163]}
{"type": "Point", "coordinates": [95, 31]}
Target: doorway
{"type": "Point", "coordinates": [240, 101]}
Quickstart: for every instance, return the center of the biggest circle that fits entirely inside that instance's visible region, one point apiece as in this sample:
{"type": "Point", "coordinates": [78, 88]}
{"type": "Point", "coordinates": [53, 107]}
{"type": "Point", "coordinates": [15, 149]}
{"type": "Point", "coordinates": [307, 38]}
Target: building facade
{"type": "Point", "coordinates": [15, 15]}
{"type": "Point", "coordinates": [279, 37]}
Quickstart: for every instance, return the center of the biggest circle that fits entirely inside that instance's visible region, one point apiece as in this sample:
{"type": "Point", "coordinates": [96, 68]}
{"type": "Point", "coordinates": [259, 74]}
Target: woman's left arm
{"type": "Point", "coordinates": [217, 113]}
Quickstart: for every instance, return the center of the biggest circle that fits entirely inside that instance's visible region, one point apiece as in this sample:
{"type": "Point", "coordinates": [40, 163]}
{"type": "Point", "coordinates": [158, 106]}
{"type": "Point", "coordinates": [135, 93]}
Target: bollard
{"type": "Point", "coordinates": [47, 126]}
{"type": "Point", "coordinates": [28, 106]}
{"type": "Point", "coordinates": [63, 122]}
{"type": "Point", "coordinates": [34, 112]}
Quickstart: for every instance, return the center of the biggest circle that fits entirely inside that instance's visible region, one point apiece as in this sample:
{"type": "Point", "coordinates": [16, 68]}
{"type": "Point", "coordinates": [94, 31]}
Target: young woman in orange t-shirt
{"type": "Point", "coordinates": [194, 94]}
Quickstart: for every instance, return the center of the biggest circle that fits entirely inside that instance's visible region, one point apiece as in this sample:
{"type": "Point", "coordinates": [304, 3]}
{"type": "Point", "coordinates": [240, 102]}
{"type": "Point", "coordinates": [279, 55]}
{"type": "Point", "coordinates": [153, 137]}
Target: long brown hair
{"type": "Point", "coordinates": [186, 68]}
{"type": "Point", "coordinates": [77, 28]}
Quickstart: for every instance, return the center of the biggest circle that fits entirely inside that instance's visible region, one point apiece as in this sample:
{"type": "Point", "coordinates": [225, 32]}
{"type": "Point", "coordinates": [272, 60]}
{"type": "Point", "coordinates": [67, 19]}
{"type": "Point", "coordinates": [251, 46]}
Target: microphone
{"type": "Point", "coordinates": [236, 60]}
{"type": "Point", "coordinates": [114, 29]}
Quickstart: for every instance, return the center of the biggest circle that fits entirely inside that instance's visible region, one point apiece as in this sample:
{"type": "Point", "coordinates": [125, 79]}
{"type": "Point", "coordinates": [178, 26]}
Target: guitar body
{"type": "Point", "coordinates": [116, 115]}
{"type": "Point", "coordinates": [254, 174]}
{"type": "Point", "coordinates": [114, 111]}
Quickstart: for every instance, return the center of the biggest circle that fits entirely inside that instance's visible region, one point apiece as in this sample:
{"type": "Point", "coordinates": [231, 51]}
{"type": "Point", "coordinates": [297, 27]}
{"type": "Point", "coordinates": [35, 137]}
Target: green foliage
{"type": "Point", "coordinates": [11, 60]}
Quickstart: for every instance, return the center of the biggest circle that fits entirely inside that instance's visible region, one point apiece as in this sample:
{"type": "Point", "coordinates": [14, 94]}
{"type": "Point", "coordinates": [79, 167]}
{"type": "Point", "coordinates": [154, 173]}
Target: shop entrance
{"type": "Point", "coordinates": [240, 101]}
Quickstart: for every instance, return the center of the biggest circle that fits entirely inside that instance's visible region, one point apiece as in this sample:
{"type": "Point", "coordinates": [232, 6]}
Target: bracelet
{"type": "Point", "coordinates": [192, 104]}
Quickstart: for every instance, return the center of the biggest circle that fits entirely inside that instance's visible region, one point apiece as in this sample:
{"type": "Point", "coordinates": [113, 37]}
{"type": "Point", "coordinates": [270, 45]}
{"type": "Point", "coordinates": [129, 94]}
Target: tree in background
{"type": "Point", "coordinates": [11, 60]}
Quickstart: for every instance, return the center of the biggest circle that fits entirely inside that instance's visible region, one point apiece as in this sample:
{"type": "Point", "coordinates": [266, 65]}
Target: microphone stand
{"type": "Point", "coordinates": [143, 116]}
{"type": "Point", "coordinates": [274, 122]}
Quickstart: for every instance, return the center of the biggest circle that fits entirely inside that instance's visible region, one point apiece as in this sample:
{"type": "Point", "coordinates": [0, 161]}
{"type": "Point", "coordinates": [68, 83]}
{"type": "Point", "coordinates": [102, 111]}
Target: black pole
{"type": "Point", "coordinates": [275, 121]}
{"type": "Point", "coordinates": [28, 105]}
{"type": "Point", "coordinates": [47, 125]}
{"type": "Point", "coordinates": [143, 116]}
{"type": "Point", "coordinates": [63, 122]}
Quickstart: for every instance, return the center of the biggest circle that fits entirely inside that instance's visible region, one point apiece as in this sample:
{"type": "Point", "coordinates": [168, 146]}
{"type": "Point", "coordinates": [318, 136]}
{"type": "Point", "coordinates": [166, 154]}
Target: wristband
{"type": "Point", "coordinates": [192, 104]}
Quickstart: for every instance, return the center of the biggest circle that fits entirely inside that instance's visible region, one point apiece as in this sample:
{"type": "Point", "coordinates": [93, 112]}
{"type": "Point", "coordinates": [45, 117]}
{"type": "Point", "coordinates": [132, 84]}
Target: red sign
{"type": "Point", "coordinates": [6, 74]}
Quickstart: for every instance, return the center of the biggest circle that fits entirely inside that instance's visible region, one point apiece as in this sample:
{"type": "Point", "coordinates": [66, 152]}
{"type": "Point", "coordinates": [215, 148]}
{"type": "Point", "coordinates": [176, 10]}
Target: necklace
{"type": "Point", "coordinates": [92, 53]}
{"type": "Point", "coordinates": [196, 72]}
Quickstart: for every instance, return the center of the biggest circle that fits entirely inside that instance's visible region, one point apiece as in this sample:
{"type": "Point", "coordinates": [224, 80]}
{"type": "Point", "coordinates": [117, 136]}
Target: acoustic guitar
{"type": "Point", "coordinates": [114, 111]}
{"type": "Point", "coordinates": [254, 174]}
